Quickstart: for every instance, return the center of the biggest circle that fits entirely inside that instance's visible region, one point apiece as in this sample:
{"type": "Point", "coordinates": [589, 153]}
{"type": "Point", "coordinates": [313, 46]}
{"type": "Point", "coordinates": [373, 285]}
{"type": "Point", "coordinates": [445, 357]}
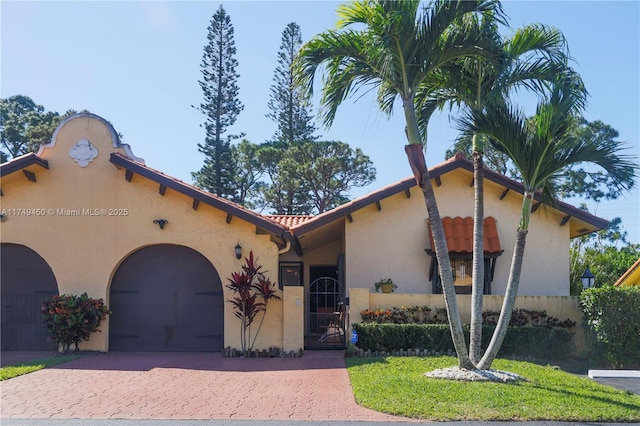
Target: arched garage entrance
{"type": "Point", "coordinates": [166, 298]}
{"type": "Point", "coordinates": [26, 280]}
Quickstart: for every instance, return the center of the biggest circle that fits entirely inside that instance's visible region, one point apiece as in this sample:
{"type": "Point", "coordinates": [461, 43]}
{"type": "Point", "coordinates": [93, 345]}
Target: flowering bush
{"type": "Point", "coordinates": [525, 317]}
{"type": "Point", "coordinates": [70, 319]}
{"type": "Point", "coordinates": [424, 315]}
{"type": "Point", "coordinates": [402, 315]}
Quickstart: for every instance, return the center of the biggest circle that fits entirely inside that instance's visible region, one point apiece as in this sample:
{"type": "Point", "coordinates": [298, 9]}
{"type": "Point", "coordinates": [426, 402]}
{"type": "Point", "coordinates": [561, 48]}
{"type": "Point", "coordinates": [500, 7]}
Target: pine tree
{"type": "Point", "coordinates": [290, 109]}
{"type": "Point", "coordinates": [288, 106]}
{"type": "Point", "coordinates": [220, 107]}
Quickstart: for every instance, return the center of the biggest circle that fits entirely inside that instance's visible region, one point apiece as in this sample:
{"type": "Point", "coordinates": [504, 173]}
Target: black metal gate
{"type": "Point", "coordinates": [326, 312]}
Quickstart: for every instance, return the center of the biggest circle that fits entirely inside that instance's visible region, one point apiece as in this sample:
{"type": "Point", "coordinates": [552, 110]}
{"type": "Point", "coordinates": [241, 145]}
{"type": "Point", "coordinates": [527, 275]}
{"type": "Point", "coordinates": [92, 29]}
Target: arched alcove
{"type": "Point", "coordinates": [27, 280]}
{"type": "Point", "coordinates": [166, 298]}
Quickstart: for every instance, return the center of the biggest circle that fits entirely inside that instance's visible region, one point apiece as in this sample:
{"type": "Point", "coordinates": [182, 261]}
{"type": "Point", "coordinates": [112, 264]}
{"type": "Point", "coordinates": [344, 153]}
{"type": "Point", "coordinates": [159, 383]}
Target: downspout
{"type": "Point", "coordinates": [286, 248]}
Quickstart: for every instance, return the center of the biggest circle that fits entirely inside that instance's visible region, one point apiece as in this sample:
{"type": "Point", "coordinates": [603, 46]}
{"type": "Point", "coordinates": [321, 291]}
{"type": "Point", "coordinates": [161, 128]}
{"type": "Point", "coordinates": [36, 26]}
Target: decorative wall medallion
{"type": "Point", "coordinates": [83, 152]}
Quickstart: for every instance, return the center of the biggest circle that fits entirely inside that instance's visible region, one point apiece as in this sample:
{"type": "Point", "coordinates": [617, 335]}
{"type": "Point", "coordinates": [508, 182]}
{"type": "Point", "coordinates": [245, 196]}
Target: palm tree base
{"type": "Point", "coordinates": [462, 374]}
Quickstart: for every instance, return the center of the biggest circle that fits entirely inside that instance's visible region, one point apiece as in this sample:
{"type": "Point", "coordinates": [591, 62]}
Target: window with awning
{"type": "Point", "coordinates": [459, 234]}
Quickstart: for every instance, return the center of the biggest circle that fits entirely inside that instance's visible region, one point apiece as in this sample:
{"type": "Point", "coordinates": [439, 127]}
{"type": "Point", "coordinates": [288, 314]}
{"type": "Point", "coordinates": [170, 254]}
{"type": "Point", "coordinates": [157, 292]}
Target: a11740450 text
{"type": "Point", "coordinates": [64, 212]}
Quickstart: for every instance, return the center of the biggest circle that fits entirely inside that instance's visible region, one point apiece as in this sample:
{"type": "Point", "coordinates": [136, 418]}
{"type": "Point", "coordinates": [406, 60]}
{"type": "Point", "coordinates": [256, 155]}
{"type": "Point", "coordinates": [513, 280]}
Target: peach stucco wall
{"type": "Point", "coordinates": [561, 307]}
{"type": "Point", "coordinates": [391, 243]}
{"type": "Point", "coordinates": [85, 251]}
{"type": "Point", "coordinates": [293, 320]}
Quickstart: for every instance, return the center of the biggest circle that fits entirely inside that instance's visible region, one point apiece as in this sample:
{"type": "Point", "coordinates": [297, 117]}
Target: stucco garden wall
{"type": "Point", "coordinates": [561, 307]}
{"type": "Point", "coordinates": [85, 250]}
{"type": "Point", "coordinates": [391, 243]}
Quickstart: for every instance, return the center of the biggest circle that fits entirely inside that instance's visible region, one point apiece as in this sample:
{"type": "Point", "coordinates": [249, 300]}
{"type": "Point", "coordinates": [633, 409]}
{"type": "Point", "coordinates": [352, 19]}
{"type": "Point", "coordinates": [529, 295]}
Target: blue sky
{"type": "Point", "coordinates": [137, 64]}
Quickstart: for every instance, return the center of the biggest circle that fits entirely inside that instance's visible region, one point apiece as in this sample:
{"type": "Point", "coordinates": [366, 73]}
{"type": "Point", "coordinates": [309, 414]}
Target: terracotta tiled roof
{"type": "Point", "coordinates": [289, 220]}
{"type": "Point", "coordinates": [198, 194]}
{"type": "Point", "coordinates": [459, 161]}
{"type": "Point", "coordinates": [22, 162]}
{"type": "Point", "coordinates": [459, 233]}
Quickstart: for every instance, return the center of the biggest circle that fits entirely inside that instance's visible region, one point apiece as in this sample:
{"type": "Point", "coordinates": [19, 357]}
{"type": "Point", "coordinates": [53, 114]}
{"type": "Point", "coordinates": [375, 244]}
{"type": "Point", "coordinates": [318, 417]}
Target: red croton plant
{"type": "Point", "coordinates": [252, 292]}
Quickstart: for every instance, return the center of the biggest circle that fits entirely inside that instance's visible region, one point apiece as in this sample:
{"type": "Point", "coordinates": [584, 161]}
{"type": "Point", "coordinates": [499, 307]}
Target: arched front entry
{"type": "Point", "coordinates": [166, 298]}
{"type": "Point", "coordinates": [26, 280]}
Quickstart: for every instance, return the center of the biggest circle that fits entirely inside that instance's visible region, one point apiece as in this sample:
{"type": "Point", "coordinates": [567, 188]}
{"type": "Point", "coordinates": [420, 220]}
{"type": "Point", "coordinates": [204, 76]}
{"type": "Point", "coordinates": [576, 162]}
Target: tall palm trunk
{"type": "Point", "coordinates": [420, 171]}
{"type": "Point", "coordinates": [477, 276]}
{"type": "Point", "coordinates": [512, 286]}
{"type": "Point", "coordinates": [419, 167]}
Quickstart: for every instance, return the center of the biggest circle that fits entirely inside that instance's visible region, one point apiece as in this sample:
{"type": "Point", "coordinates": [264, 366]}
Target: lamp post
{"type": "Point", "coordinates": [588, 279]}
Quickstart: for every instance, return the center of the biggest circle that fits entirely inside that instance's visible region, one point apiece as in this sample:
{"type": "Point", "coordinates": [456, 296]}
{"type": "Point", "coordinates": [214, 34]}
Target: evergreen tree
{"type": "Point", "coordinates": [285, 193]}
{"type": "Point", "coordinates": [249, 172]}
{"type": "Point", "coordinates": [25, 125]}
{"type": "Point", "coordinates": [290, 109]}
{"type": "Point", "coordinates": [220, 107]}
{"type": "Point", "coordinates": [330, 169]}
{"type": "Point", "coordinates": [288, 105]}
{"type": "Point", "coordinates": [313, 177]}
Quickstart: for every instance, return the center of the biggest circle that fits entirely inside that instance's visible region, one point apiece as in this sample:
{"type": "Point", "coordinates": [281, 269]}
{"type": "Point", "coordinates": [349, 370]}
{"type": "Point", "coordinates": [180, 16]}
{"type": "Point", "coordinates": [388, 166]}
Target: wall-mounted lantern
{"type": "Point", "coordinates": [161, 222]}
{"type": "Point", "coordinates": [238, 250]}
{"type": "Point", "coordinates": [588, 279]}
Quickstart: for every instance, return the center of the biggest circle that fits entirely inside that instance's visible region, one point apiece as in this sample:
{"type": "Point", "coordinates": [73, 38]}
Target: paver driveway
{"type": "Point", "coordinates": [188, 386]}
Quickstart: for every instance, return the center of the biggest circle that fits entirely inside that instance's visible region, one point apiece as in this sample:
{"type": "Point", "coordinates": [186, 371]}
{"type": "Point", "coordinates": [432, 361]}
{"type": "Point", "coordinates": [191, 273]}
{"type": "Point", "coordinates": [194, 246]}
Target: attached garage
{"type": "Point", "coordinates": [27, 280]}
{"type": "Point", "coordinates": [166, 298]}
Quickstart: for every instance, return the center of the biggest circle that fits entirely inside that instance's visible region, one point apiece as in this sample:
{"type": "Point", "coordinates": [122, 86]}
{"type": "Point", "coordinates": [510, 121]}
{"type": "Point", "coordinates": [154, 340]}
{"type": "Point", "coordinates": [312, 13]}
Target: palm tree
{"type": "Point", "coordinates": [542, 150]}
{"type": "Point", "coordinates": [530, 59]}
{"type": "Point", "coordinates": [396, 53]}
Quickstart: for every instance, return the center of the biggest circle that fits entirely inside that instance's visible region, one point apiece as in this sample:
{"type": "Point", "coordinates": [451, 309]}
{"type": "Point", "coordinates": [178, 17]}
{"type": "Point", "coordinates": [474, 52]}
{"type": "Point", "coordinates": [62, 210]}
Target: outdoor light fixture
{"type": "Point", "coordinates": [587, 278]}
{"type": "Point", "coordinates": [161, 222]}
{"type": "Point", "coordinates": [238, 249]}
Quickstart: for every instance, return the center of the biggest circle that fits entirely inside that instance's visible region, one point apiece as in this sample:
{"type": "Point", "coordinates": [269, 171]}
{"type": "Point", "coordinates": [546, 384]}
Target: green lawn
{"type": "Point", "coordinates": [397, 385]}
{"type": "Point", "coordinates": [11, 371]}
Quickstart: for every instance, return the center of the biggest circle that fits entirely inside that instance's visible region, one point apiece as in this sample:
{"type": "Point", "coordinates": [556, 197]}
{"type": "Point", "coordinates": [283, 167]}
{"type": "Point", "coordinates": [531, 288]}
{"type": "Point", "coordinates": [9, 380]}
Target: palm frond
{"type": "Point", "coordinates": [545, 146]}
{"type": "Point", "coordinates": [536, 40]}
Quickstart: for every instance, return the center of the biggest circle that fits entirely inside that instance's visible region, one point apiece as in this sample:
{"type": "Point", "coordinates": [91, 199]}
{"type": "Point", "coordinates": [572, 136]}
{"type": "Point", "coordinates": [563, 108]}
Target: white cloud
{"type": "Point", "coordinates": [159, 15]}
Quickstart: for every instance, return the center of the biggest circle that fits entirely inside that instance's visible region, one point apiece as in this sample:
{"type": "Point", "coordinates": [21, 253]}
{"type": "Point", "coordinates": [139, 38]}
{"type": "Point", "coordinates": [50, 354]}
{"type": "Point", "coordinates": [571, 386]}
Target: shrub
{"type": "Point", "coordinates": [421, 315]}
{"type": "Point", "coordinates": [525, 317]}
{"type": "Point", "coordinates": [70, 319]}
{"type": "Point", "coordinates": [402, 315]}
{"type": "Point", "coordinates": [252, 291]}
{"type": "Point", "coordinates": [612, 325]}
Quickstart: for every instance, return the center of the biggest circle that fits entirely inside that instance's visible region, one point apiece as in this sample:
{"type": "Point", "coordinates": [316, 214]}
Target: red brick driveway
{"type": "Point", "coordinates": [188, 386]}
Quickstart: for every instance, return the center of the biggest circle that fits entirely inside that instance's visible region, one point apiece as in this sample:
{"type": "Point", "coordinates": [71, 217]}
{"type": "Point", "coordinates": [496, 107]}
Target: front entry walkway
{"type": "Point", "coordinates": [188, 386]}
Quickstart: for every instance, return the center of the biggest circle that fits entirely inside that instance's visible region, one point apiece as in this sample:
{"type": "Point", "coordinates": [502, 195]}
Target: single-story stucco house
{"type": "Point", "coordinates": [631, 277]}
{"type": "Point", "coordinates": [86, 215]}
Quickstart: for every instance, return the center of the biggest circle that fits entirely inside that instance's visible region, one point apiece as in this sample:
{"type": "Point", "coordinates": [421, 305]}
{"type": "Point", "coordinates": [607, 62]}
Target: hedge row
{"type": "Point", "coordinates": [534, 342]}
{"type": "Point", "coordinates": [612, 323]}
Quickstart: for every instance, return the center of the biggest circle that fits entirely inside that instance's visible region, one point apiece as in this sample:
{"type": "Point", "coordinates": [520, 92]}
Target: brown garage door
{"type": "Point", "coordinates": [26, 280]}
{"type": "Point", "coordinates": [166, 298]}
